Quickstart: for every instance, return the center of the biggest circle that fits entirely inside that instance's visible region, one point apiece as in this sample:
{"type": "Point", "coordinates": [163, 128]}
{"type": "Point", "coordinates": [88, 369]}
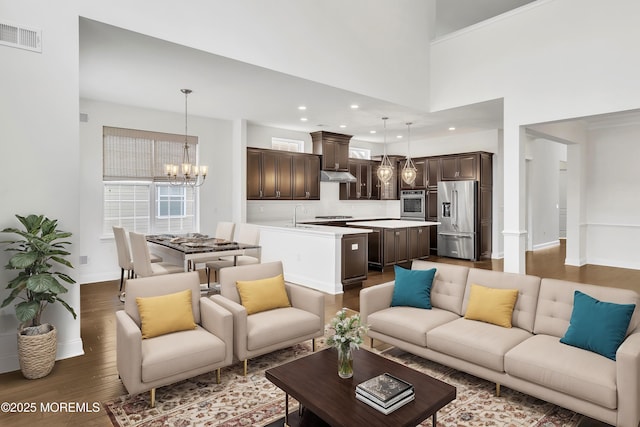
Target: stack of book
{"type": "Point", "coordinates": [385, 393]}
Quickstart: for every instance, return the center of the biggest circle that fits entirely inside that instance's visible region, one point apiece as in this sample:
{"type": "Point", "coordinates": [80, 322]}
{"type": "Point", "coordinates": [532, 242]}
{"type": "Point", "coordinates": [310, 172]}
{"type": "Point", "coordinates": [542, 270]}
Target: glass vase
{"type": "Point", "coordinates": [345, 362]}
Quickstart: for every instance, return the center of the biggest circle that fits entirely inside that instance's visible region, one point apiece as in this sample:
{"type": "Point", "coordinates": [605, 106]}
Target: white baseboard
{"type": "Point", "coordinates": [9, 353]}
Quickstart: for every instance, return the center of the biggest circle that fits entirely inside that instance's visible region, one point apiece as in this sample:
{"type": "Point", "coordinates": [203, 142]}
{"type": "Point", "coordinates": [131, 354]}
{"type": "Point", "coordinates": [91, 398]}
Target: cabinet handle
{"type": "Point", "coordinates": [260, 193]}
{"type": "Point", "coordinates": [337, 166]}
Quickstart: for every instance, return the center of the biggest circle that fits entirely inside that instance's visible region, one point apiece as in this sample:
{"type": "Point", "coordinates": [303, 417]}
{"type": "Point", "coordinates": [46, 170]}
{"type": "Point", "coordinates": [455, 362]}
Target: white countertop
{"type": "Point", "coordinates": [393, 223]}
{"type": "Point", "coordinates": [312, 229]}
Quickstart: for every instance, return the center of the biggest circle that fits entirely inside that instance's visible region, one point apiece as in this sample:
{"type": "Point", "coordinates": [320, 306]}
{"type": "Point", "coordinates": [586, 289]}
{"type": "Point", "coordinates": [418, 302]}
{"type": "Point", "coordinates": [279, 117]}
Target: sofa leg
{"type": "Point", "coordinates": [153, 397]}
{"type": "Point", "coordinates": [497, 389]}
{"type": "Point", "coordinates": [218, 376]}
{"type": "Point", "coordinates": [246, 361]}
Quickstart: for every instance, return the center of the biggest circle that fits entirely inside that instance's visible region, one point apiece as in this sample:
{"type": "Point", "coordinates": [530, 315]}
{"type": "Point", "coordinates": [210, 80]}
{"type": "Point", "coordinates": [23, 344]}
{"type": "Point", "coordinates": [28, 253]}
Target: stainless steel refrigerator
{"type": "Point", "coordinates": [457, 216]}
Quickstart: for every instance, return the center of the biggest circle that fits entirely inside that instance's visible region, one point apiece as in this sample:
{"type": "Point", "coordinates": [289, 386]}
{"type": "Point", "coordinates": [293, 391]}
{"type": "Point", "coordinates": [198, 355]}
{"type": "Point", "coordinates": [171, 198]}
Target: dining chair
{"type": "Point", "coordinates": [125, 261]}
{"type": "Point", "coordinates": [224, 231]}
{"type": "Point", "coordinates": [142, 264]}
{"type": "Point", "coordinates": [245, 233]}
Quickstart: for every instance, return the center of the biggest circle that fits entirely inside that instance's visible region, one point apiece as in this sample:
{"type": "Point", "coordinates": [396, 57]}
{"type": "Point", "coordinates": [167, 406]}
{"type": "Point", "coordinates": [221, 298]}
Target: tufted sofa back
{"type": "Point", "coordinates": [555, 304]}
{"type": "Point", "coordinates": [448, 284]}
{"type": "Point", "coordinates": [528, 289]}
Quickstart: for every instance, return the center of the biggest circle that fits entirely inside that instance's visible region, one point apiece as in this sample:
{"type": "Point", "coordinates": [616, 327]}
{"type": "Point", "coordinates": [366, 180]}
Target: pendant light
{"type": "Point", "coordinates": [190, 174]}
{"type": "Point", "coordinates": [409, 170]}
{"type": "Point", "coordinates": [385, 170]}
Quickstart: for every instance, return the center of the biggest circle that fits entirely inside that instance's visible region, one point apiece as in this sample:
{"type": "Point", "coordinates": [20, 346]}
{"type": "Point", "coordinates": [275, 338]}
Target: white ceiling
{"type": "Point", "coordinates": [128, 68]}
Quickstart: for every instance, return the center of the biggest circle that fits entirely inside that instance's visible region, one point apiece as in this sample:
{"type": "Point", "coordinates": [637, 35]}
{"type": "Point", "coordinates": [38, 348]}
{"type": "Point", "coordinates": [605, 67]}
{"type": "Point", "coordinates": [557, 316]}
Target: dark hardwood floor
{"type": "Point", "coordinates": [93, 377]}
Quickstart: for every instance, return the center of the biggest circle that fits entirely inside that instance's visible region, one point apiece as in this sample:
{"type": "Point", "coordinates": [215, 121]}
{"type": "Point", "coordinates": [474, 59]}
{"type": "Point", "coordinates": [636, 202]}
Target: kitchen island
{"type": "Point", "coordinates": [396, 241]}
{"type": "Point", "coordinates": [322, 257]}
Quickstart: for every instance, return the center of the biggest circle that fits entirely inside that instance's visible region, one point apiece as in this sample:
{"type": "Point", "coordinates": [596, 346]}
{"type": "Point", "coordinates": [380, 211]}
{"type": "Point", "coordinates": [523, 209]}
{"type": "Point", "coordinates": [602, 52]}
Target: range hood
{"type": "Point", "coordinates": [332, 176]}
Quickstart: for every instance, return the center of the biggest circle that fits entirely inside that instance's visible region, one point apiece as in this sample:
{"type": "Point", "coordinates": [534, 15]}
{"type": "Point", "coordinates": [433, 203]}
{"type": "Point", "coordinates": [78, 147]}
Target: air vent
{"type": "Point", "coordinates": [20, 37]}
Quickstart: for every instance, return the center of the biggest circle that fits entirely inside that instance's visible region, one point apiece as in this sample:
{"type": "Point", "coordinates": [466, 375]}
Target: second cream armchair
{"type": "Point", "coordinates": [270, 330]}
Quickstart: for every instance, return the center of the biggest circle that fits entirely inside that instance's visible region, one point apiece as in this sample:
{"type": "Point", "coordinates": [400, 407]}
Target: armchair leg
{"type": "Point", "coordinates": [153, 397]}
{"type": "Point", "coordinates": [371, 342]}
{"type": "Point", "coordinates": [246, 361]}
{"type": "Point", "coordinates": [313, 345]}
{"type": "Point", "coordinates": [218, 376]}
{"type": "Point", "coordinates": [497, 389]}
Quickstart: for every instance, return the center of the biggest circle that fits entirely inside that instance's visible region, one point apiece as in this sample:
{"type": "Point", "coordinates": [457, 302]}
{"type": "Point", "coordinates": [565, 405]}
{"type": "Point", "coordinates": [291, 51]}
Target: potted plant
{"type": "Point", "coordinates": [37, 285]}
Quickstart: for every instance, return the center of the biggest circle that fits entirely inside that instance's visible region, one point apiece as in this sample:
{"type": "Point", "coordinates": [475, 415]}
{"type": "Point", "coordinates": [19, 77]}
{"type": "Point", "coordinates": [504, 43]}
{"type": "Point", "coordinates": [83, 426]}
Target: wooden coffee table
{"type": "Point", "coordinates": [314, 382]}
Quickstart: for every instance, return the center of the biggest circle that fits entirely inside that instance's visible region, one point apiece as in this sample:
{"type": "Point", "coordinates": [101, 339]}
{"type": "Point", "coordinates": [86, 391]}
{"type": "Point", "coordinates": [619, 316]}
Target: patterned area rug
{"type": "Point", "coordinates": [255, 401]}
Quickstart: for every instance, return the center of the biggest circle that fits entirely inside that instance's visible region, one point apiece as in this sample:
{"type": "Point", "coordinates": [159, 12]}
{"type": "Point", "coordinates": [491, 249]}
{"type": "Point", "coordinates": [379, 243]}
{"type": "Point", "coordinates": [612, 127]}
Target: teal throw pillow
{"type": "Point", "coordinates": [412, 287]}
{"type": "Point", "coordinates": [597, 326]}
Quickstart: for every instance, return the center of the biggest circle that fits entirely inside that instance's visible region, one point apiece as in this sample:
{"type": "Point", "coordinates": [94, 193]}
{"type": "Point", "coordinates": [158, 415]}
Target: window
{"type": "Point", "coordinates": [137, 194]}
{"type": "Point", "coordinates": [359, 153]}
{"type": "Point", "coordinates": [283, 144]}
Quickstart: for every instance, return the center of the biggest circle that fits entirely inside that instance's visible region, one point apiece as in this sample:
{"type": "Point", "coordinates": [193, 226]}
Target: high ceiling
{"type": "Point", "coordinates": [128, 68]}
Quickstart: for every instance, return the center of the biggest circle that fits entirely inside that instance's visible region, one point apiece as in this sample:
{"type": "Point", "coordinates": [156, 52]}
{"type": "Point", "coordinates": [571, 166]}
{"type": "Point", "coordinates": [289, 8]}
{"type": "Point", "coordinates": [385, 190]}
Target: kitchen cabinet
{"type": "Point", "coordinates": [419, 242]}
{"type": "Point", "coordinates": [458, 167]}
{"type": "Point", "coordinates": [395, 246]}
{"type": "Point", "coordinates": [421, 175]}
{"type": "Point", "coordinates": [334, 148]}
{"type": "Point", "coordinates": [361, 189]}
{"type": "Point", "coordinates": [306, 177]}
{"type": "Point", "coordinates": [355, 265]}
{"type": "Point", "coordinates": [388, 191]}
{"type": "Point", "coordinates": [280, 175]}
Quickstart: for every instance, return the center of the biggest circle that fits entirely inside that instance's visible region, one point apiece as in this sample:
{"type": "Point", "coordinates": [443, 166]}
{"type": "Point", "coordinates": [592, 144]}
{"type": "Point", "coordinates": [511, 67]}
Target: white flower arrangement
{"type": "Point", "coordinates": [346, 332]}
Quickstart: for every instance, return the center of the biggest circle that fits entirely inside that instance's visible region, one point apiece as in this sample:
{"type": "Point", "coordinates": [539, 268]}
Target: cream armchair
{"type": "Point", "coordinates": [270, 330]}
{"type": "Point", "coordinates": [145, 364]}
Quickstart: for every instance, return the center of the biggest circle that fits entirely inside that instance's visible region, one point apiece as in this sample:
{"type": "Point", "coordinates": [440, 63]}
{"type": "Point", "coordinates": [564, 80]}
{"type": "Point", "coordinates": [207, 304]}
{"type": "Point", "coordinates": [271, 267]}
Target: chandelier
{"type": "Point", "coordinates": [186, 174]}
{"type": "Point", "coordinates": [385, 170]}
{"type": "Point", "coordinates": [409, 170]}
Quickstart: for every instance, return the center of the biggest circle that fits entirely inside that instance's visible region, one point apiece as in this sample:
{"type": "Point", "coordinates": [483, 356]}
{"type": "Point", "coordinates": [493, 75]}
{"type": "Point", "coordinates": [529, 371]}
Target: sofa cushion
{"type": "Point", "coordinates": [279, 325]}
{"type": "Point", "coordinates": [165, 314]}
{"type": "Point", "coordinates": [412, 287]}
{"type": "Point", "coordinates": [263, 294]}
{"type": "Point", "coordinates": [596, 325]}
{"type": "Point", "coordinates": [408, 323]}
{"type": "Point", "coordinates": [491, 305]}
{"type": "Point", "coordinates": [556, 304]}
{"type": "Point", "coordinates": [528, 289]}
{"type": "Point", "coordinates": [448, 284]}
{"type": "Point", "coordinates": [173, 354]}
{"type": "Point", "coordinates": [543, 360]}
{"type": "Point", "coordinates": [477, 342]}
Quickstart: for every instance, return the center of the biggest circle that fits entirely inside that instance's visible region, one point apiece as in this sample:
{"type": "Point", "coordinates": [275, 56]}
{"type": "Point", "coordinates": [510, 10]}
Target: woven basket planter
{"type": "Point", "coordinates": [37, 353]}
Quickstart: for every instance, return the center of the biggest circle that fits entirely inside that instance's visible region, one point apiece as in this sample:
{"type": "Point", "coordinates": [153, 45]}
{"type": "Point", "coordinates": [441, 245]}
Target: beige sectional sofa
{"type": "Point", "coordinates": [527, 357]}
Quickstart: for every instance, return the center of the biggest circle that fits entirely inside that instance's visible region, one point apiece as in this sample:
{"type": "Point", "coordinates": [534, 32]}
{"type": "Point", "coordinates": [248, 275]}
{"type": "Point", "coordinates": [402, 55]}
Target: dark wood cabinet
{"type": "Point", "coordinates": [395, 246]}
{"type": "Point", "coordinates": [388, 191]}
{"type": "Point", "coordinates": [355, 265]}
{"type": "Point", "coordinates": [459, 167]}
{"type": "Point", "coordinates": [421, 174]}
{"type": "Point", "coordinates": [334, 148]}
{"type": "Point", "coordinates": [419, 242]}
{"type": "Point", "coordinates": [306, 177]}
{"type": "Point", "coordinates": [280, 175]}
{"type": "Point", "coordinates": [361, 189]}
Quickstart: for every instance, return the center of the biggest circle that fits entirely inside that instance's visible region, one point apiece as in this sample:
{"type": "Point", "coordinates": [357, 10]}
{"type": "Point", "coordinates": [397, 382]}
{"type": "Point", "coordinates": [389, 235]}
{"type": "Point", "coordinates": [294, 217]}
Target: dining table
{"type": "Point", "coordinates": [194, 248]}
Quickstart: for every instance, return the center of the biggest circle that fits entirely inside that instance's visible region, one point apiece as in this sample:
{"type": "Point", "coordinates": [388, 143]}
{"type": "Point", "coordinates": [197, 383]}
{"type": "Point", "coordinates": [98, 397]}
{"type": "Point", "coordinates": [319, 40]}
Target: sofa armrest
{"type": "Point", "coordinates": [239, 314]}
{"type": "Point", "coordinates": [628, 379]}
{"type": "Point", "coordinates": [306, 299]}
{"type": "Point", "coordinates": [129, 352]}
{"type": "Point", "coordinates": [375, 298]}
{"type": "Point", "coordinates": [219, 321]}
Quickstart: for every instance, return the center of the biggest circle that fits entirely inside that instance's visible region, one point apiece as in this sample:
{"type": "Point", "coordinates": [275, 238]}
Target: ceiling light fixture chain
{"type": "Point", "coordinates": [385, 170]}
{"type": "Point", "coordinates": [409, 170]}
{"type": "Point", "coordinates": [190, 175]}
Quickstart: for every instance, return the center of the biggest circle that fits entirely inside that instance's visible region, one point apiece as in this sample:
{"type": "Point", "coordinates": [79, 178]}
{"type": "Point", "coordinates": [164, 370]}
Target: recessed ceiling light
{"type": "Point", "coordinates": [302, 107]}
{"type": "Point", "coordinates": [343, 126]}
{"type": "Point", "coordinates": [452, 128]}
{"type": "Point", "coordinates": [354, 106]}
{"type": "Point", "coordinates": [303, 119]}
{"type": "Point", "coordinates": [372, 131]}
{"type": "Point", "coordinates": [399, 136]}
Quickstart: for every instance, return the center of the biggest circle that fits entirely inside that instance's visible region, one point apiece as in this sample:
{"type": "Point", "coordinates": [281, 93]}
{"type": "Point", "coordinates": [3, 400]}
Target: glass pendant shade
{"type": "Point", "coordinates": [409, 171]}
{"type": "Point", "coordinates": [385, 170]}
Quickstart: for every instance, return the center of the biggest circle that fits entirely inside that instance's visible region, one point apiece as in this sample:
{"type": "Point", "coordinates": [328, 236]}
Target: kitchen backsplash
{"type": "Point", "coordinates": [329, 204]}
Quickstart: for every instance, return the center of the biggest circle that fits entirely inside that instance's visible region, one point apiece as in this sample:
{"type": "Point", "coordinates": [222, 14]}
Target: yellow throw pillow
{"type": "Point", "coordinates": [264, 294]}
{"type": "Point", "coordinates": [165, 314]}
{"type": "Point", "coordinates": [491, 305]}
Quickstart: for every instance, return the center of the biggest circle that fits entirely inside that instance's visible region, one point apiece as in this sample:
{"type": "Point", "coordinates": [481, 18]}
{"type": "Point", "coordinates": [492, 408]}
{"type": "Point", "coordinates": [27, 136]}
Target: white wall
{"type": "Point", "coordinates": [39, 151]}
{"type": "Point", "coordinates": [613, 196]}
{"type": "Point", "coordinates": [214, 137]}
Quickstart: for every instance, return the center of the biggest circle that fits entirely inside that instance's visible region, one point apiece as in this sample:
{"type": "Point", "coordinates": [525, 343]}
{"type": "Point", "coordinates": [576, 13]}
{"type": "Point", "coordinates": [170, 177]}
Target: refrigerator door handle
{"type": "Point", "coordinates": [454, 219]}
{"type": "Point", "coordinates": [460, 235]}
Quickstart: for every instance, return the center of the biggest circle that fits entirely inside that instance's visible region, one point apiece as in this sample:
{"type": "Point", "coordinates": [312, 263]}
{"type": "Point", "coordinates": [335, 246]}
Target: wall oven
{"type": "Point", "coordinates": [412, 205]}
